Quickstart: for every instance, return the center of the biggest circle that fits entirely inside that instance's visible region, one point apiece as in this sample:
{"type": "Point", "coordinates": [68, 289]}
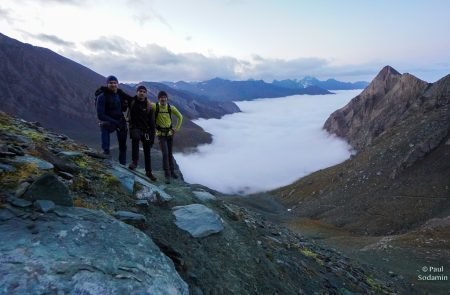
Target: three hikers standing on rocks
{"type": "Point", "coordinates": [145, 120]}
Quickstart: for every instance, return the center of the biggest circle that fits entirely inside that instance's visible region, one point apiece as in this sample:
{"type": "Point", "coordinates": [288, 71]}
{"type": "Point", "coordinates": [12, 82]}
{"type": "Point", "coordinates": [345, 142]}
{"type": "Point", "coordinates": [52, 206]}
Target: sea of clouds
{"type": "Point", "coordinates": [271, 143]}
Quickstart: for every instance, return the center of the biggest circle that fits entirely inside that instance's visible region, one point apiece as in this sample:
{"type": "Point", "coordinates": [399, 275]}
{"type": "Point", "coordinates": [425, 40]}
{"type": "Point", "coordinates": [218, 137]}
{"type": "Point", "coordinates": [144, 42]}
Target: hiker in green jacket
{"type": "Point", "coordinates": [165, 131]}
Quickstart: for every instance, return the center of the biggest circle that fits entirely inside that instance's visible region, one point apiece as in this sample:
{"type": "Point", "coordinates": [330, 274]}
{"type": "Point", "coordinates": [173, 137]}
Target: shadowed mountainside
{"type": "Point", "coordinates": [41, 85]}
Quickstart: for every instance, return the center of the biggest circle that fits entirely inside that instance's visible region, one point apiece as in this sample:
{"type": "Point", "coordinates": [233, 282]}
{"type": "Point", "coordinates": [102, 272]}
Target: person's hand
{"type": "Point", "coordinates": [173, 131]}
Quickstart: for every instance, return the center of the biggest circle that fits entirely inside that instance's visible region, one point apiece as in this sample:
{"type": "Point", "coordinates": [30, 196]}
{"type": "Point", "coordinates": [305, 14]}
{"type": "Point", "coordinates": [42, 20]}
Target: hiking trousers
{"type": "Point", "coordinates": [121, 139]}
{"type": "Point", "coordinates": [165, 144]}
{"type": "Point", "coordinates": [147, 143]}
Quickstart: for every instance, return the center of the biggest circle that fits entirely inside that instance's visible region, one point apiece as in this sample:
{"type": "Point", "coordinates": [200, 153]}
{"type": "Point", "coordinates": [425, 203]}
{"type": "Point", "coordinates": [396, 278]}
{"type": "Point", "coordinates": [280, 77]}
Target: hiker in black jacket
{"type": "Point", "coordinates": [111, 102]}
{"type": "Point", "coordinates": [141, 121]}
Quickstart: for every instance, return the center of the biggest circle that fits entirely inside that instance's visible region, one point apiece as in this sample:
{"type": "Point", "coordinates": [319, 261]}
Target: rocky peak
{"type": "Point", "coordinates": [383, 82]}
{"type": "Point", "coordinates": [389, 99]}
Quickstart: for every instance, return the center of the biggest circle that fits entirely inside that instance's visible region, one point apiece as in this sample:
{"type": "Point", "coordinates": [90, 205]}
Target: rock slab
{"type": "Point", "coordinates": [81, 251]}
{"type": "Point", "coordinates": [197, 219]}
{"type": "Point", "coordinates": [48, 187]}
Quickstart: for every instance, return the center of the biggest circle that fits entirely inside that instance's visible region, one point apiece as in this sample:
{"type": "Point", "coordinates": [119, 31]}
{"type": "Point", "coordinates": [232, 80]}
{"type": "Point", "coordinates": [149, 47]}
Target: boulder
{"type": "Point", "coordinates": [126, 178]}
{"type": "Point", "coordinates": [49, 187]}
{"type": "Point", "coordinates": [129, 217]}
{"type": "Point", "coordinates": [152, 193]}
{"type": "Point", "coordinates": [197, 219]}
{"type": "Point", "coordinates": [81, 251]}
{"type": "Point", "coordinates": [21, 189]}
{"type": "Point", "coordinates": [44, 205]}
{"type": "Point", "coordinates": [20, 203]}
{"type": "Point", "coordinates": [61, 163]}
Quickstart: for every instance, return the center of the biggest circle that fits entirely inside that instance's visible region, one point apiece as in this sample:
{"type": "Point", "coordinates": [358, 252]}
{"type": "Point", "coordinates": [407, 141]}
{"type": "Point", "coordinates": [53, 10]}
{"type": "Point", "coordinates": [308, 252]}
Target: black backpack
{"type": "Point", "coordinates": [102, 89]}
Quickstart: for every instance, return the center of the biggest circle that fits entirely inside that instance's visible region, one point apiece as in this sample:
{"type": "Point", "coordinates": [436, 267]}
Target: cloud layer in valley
{"type": "Point", "coordinates": [272, 143]}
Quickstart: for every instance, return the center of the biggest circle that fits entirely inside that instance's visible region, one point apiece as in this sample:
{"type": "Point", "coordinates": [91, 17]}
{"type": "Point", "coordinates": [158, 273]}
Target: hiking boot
{"type": "Point", "coordinates": [150, 175]}
{"type": "Point", "coordinates": [173, 175]}
{"type": "Point", "coordinates": [132, 166]}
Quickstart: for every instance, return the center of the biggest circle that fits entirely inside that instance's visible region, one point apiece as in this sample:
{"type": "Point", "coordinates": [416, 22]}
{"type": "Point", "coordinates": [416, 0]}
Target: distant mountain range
{"type": "Point", "coordinates": [330, 84]}
{"type": "Point", "coordinates": [225, 90]}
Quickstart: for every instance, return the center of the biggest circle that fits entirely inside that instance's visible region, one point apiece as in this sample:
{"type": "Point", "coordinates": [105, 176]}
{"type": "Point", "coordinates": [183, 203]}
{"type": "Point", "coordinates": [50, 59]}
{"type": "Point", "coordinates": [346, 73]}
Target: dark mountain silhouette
{"type": "Point", "coordinates": [41, 85]}
{"type": "Point", "coordinates": [330, 84]}
{"type": "Point", "coordinates": [226, 90]}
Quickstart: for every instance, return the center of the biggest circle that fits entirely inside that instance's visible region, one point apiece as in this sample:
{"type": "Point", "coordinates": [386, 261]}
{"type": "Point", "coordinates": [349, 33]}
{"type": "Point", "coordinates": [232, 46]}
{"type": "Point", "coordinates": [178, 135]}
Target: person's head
{"type": "Point", "coordinates": [141, 92]}
{"type": "Point", "coordinates": [162, 98]}
{"type": "Point", "coordinates": [112, 83]}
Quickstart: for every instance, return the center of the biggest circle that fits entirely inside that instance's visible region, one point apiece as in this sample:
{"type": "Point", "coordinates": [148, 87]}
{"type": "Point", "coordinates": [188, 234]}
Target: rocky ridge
{"type": "Point", "coordinates": [78, 241]}
{"type": "Point", "coordinates": [398, 179]}
{"type": "Point", "coordinates": [388, 100]}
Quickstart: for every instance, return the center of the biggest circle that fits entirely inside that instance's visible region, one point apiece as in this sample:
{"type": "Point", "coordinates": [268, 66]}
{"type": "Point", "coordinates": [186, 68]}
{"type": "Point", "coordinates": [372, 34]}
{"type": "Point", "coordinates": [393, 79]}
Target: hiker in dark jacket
{"type": "Point", "coordinates": [142, 128]}
{"type": "Point", "coordinates": [111, 103]}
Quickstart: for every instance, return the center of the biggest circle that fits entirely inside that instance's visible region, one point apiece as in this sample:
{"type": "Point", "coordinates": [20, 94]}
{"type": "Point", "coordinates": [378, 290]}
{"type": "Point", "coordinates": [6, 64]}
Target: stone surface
{"type": "Point", "coordinates": [204, 196]}
{"type": "Point", "coordinates": [198, 220]}
{"type": "Point", "coordinates": [48, 187]}
{"type": "Point", "coordinates": [152, 193]}
{"type": "Point", "coordinates": [16, 150]}
{"type": "Point", "coordinates": [17, 202]}
{"type": "Point", "coordinates": [70, 154]}
{"type": "Point", "coordinates": [21, 189]}
{"type": "Point", "coordinates": [127, 216]}
{"type": "Point", "coordinates": [65, 175]}
{"type": "Point", "coordinates": [125, 177]}
{"type": "Point", "coordinates": [6, 168]}
{"type": "Point", "coordinates": [41, 164]}
{"type": "Point", "coordinates": [7, 154]}
{"type": "Point", "coordinates": [81, 251]}
{"type": "Point", "coordinates": [44, 205]}
{"type": "Point", "coordinates": [61, 163]}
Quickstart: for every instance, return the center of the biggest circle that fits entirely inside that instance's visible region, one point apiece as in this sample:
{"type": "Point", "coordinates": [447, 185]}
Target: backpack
{"type": "Point", "coordinates": [96, 95]}
{"type": "Point", "coordinates": [124, 97]}
{"type": "Point", "coordinates": [169, 111]}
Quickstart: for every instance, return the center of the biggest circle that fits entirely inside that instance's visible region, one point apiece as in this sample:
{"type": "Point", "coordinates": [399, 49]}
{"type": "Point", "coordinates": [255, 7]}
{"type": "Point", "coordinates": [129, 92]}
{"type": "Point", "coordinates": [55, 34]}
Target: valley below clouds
{"type": "Point", "coordinates": [271, 143]}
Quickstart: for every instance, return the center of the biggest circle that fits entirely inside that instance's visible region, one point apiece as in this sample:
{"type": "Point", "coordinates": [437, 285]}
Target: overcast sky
{"type": "Point", "coordinates": [272, 143]}
{"type": "Point", "coordinates": [238, 39]}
